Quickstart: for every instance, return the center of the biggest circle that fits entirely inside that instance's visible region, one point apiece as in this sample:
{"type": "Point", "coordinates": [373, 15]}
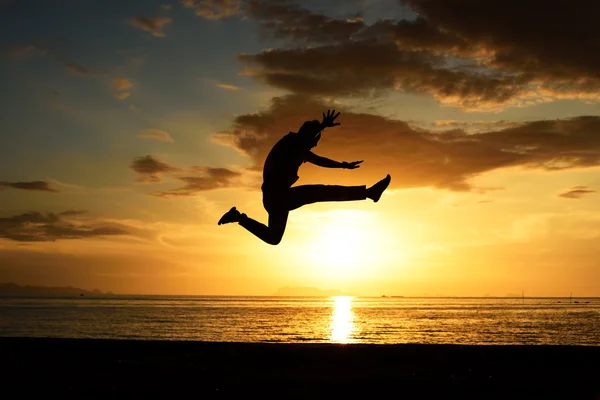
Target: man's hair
{"type": "Point", "coordinates": [310, 129]}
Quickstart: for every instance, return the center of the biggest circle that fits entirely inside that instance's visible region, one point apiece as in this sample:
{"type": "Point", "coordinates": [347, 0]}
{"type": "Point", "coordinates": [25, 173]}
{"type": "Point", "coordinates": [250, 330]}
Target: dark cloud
{"type": "Point", "coordinates": [212, 178]}
{"type": "Point", "coordinates": [464, 126]}
{"type": "Point", "coordinates": [560, 41]}
{"type": "Point", "coordinates": [421, 35]}
{"type": "Point", "coordinates": [214, 9]}
{"type": "Point", "coordinates": [576, 192]}
{"type": "Point", "coordinates": [72, 213]}
{"type": "Point", "coordinates": [362, 68]}
{"type": "Point", "coordinates": [286, 20]}
{"type": "Point", "coordinates": [41, 186]}
{"type": "Point", "coordinates": [37, 227]}
{"type": "Point", "coordinates": [450, 51]}
{"type": "Point", "coordinates": [150, 168]}
{"type": "Point", "coordinates": [196, 179]}
{"type": "Point", "coordinates": [420, 158]}
{"type": "Point", "coordinates": [154, 25]}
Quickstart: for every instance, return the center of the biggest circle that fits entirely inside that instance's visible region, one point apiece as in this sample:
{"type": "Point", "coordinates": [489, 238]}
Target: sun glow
{"type": "Point", "coordinates": [338, 245]}
{"type": "Point", "coordinates": [348, 245]}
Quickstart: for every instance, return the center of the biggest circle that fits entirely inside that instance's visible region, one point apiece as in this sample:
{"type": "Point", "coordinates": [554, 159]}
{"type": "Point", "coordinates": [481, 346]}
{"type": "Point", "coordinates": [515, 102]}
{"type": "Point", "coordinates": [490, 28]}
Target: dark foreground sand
{"type": "Point", "coordinates": [90, 368]}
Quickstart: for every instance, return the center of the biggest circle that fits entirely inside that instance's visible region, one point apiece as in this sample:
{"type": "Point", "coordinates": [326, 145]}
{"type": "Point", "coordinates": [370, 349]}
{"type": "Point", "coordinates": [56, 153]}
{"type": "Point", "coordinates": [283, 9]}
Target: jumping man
{"type": "Point", "coordinates": [281, 172]}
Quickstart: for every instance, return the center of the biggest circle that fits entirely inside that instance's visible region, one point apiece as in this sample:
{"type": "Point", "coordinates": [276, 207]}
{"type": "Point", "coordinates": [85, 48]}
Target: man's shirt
{"type": "Point", "coordinates": [282, 163]}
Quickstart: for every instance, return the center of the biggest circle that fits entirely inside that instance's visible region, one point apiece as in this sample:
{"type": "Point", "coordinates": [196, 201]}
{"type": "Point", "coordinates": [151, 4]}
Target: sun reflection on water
{"type": "Point", "coordinates": [342, 319]}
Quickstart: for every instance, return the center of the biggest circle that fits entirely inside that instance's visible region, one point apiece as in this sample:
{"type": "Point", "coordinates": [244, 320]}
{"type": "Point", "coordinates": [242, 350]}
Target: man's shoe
{"type": "Point", "coordinates": [375, 191]}
{"type": "Point", "coordinates": [232, 215]}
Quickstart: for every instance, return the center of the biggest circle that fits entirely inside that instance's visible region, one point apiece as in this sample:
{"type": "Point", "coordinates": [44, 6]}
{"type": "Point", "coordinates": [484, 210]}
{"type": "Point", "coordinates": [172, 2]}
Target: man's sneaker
{"type": "Point", "coordinates": [232, 215]}
{"type": "Point", "coordinates": [375, 191]}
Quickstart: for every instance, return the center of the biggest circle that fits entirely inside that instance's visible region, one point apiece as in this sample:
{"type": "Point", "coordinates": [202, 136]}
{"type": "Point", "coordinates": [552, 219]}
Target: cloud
{"type": "Point", "coordinates": [466, 126]}
{"type": "Point", "coordinates": [365, 68]}
{"type": "Point", "coordinates": [122, 95]}
{"type": "Point", "coordinates": [120, 83]}
{"type": "Point", "coordinates": [68, 185]}
{"type": "Point", "coordinates": [153, 25]}
{"type": "Point", "coordinates": [160, 135]}
{"type": "Point", "coordinates": [41, 186]}
{"type": "Point", "coordinates": [454, 55]}
{"type": "Point", "coordinates": [212, 178]}
{"type": "Point", "coordinates": [120, 87]}
{"type": "Point", "coordinates": [24, 51]}
{"type": "Point", "coordinates": [77, 68]}
{"type": "Point", "coordinates": [150, 169]}
{"type": "Point", "coordinates": [37, 227]}
{"type": "Point", "coordinates": [227, 86]}
{"type": "Point", "coordinates": [576, 192]}
{"type": "Point", "coordinates": [196, 178]}
{"type": "Point", "coordinates": [509, 40]}
{"type": "Point", "coordinates": [286, 20]}
{"type": "Point", "coordinates": [419, 157]}
{"type": "Point", "coordinates": [214, 9]}
{"type": "Point", "coordinates": [72, 213]}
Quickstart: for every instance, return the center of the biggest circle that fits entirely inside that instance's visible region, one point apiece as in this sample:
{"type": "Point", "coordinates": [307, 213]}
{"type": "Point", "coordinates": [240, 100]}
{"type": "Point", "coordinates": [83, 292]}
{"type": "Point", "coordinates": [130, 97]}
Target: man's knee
{"type": "Point", "coordinates": [274, 239]}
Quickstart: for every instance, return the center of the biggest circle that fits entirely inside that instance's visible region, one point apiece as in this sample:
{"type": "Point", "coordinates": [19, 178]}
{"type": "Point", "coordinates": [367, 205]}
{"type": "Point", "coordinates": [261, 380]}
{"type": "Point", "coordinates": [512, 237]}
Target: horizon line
{"type": "Point", "coordinates": [298, 296]}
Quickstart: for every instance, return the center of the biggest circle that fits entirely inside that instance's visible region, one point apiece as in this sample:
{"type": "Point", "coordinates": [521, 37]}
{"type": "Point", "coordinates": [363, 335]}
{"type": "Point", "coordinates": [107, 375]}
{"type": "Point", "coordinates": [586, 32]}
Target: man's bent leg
{"type": "Point", "coordinates": [271, 234]}
{"type": "Point", "coordinates": [307, 194]}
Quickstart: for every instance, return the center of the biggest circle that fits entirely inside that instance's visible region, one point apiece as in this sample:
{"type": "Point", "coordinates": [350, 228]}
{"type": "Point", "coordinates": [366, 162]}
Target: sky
{"type": "Point", "coordinates": [129, 128]}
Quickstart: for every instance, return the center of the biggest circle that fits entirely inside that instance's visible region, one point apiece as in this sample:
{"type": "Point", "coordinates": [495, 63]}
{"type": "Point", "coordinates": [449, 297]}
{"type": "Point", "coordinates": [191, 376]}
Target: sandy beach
{"type": "Point", "coordinates": [90, 367]}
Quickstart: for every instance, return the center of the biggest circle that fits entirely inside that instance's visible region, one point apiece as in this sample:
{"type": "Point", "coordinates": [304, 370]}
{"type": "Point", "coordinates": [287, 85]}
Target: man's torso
{"type": "Point", "coordinates": [281, 166]}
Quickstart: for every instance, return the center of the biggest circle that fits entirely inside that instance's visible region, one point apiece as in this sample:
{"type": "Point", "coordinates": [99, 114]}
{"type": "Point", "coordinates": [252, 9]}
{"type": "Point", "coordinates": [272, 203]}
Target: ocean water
{"type": "Point", "coordinates": [308, 319]}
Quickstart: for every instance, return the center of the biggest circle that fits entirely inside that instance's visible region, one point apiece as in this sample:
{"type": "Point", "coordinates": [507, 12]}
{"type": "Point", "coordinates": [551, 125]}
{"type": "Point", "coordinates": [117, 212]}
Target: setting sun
{"type": "Point", "coordinates": [345, 246]}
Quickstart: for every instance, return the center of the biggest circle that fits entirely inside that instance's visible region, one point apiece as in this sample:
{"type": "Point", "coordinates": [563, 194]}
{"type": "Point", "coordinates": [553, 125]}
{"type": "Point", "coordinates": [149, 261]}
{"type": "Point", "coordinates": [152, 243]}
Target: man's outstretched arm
{"type": "Point", "coordinates": [327, 163]}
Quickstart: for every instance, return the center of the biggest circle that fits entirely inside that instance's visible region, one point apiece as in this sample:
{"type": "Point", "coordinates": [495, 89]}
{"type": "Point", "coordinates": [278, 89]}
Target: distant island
{"type": "Point", "coordinates": [13, 288]}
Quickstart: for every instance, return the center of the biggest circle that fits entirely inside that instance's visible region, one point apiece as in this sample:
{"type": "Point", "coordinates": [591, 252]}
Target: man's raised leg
{"type": "Point", "coordinates": [308, 194]}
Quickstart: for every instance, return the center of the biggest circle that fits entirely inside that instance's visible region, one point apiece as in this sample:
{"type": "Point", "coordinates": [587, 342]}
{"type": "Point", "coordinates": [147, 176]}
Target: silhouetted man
{"type": "Point", "coordinates": [281, 172]}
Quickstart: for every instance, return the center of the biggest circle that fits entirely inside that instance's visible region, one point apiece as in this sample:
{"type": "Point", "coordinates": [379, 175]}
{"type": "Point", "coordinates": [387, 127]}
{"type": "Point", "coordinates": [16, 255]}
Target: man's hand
{"type": "Point", "coordinates": [351, 165]}
{"type": "Point", "coordinates": [328, 120]}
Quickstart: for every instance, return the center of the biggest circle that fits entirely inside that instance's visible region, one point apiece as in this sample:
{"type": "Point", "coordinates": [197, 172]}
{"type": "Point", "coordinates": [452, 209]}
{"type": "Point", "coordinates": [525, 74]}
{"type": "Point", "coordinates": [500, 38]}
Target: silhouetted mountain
{"type": "Point", "coordinates": [12, 288]}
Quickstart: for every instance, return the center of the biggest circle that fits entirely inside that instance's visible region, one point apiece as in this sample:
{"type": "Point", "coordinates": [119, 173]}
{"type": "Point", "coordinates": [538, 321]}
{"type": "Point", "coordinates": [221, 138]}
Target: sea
{"type": "Point", "coordinates": [338, 319]}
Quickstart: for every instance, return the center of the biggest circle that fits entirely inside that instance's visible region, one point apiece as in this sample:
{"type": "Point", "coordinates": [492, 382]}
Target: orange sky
{"type": "Point", "coordinates": [130, 129]}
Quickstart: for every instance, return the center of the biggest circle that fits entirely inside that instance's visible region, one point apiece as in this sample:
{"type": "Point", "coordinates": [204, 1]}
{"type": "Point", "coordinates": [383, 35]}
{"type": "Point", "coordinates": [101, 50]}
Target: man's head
{"type": "Point", "coordinates": [310, 133]}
